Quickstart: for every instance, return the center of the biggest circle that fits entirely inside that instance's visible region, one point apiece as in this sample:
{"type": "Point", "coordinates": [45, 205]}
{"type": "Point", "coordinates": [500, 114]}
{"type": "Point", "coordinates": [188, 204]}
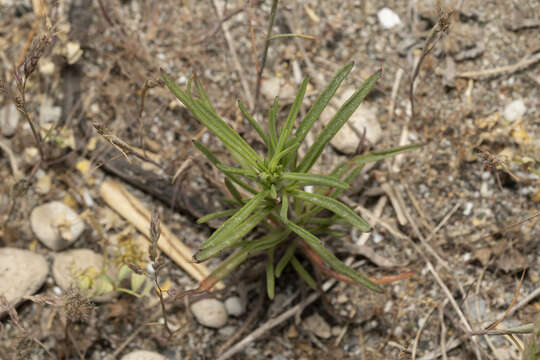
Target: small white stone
{"type": "Point", "coordinates": [279, 87]}
{"type": "Point", "coordinates": [234, 306]}
{"type": "Point", "coordinates": [377, 238]}
{"type": "Point", "coordinates": [46, 67]}
{"type": "Point", "coordinates": [22, 273]}
{"type": "Point", "coordinates": [31, 155]}
{"type": "Point", "coordinates": [468, 208]}
{"type": "Point", "coordinates": [43, 184]}
{"type": "Point", "coordinates": [515, 110]}
{"type": "Point", "coordinates": [210, 313]}
{"type": "Point", "coordinates": [9, 119]}
{"type": "Point", "coordinates": [57, 291]}
{"type": "Point", "coordinates": [316, 324]}
{"type": "Point", "coordinates": [49, 113]}
{"type": "Point", "coordinates": [309, 188]}
{"type": "Point", "coordinates": [388, 18]}
{"type": "Point", "coordinates": [143, 355]}
{"type": "Point", "coordinates": [56, 225]}
{"type": "Point", "coordinates": [73, 52]}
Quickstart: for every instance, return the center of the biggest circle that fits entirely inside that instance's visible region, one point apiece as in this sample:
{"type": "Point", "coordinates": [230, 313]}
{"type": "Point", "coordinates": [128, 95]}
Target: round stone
{"type": "Point", "coordinates": [17, 278]}
{"type": "Point", "coordinates": [56, 225]}
{"type": "Point", "coordinates": [210, 313]}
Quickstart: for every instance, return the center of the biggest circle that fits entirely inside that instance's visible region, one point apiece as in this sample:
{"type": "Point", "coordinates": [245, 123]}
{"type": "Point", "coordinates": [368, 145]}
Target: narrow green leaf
{"type": "Point", "coordinates": [303, 273]}
{"type": "Point", "coordinates": [339, 119]}
{"type": "Point", "coordinates": [266, 242]}
{"type": "Point", "coordinates": [273, 191]}
{"type": "Point", "coordinates": [279, 155]}
{"type": "Point", "coordinates": [303, 233]}
{"type": "Point", "coordinates": [286, 257]}
{"type": "Point", "coordinates": [214, 160]}
{"type": "Point", "coordinates": [315, 179]}
{"type": "Point", "coordinates": [293, 113]}
{"type": "Point", "coordinates": [383, 154]}
{"type": "Point", "coordinates": [284, 207]}
{"type": "Point", "coordinates": [238, 147]}
{"type": "Point", "coordinates": [272, 127]}
{"type": "Point", "coordinates": [216, 215]}
{"type": "Point", "coordinates": [335, 206]}
{"type": "Point", "coordinates": [234, 221]}
{"type": "Point", "coordinates": [329, 258]}
{"type": "Point", "coordinates": [234, 192]}
{"type": "Point", "coordinates": [209, 155]}
{"type": "Point", "coordinates": [270, 278]}
{"type": "Point", "coordinates": [253, 123]}
{"type": "Point", "coordinates": [236, 171]}
{"type": "Point", "coordinates": [204, 96]}
{"type": "Point", "coordinates": [324, 98]}
{"type": "Point", "coordinates": [231, 263]}
{"type": "Point", "coordinates": [233, 237]}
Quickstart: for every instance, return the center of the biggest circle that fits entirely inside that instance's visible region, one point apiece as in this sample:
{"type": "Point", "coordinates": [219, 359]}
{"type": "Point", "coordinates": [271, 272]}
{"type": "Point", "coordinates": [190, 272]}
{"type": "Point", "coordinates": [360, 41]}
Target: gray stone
{"type": "Point", "coordinates": [317, 325]}
{"type": "Point", "coordinates": [234, 306]}
{"type": "Point", "coordinates": [22, 273]}
{"type": "Point", "coordinates": [363, 119]}
{"type": "Point", "coordinates": [56, 225]}
{"type": "Point", "coordinates": [210, 313]}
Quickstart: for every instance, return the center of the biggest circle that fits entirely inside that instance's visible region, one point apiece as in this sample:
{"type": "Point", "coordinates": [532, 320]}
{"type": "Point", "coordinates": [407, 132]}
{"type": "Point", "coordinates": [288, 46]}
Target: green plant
{"type": "Point", "coordinates": [291, 217]}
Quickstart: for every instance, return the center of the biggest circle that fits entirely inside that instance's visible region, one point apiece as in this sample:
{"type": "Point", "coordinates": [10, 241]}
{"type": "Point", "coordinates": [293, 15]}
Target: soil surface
{"type": "Point", "coordinates": [456, 224]}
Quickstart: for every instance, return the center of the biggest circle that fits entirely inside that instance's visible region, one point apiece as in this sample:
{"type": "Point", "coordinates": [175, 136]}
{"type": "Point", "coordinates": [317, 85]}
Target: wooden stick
{"type": "Point", "coordinates": [118, 198]}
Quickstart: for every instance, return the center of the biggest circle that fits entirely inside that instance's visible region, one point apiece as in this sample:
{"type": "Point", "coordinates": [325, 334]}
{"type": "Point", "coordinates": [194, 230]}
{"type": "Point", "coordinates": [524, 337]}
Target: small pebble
{"type": "Point", "coordinates": [9, 119]}
{"type": "Point", "coordinates": [143, 355]}
{"type": "Point", "coordinates": [227, 331]}
{"type": "Point", "coordinates": [210, 313]}
{"type": "Point", "coordinates": [514, 111]}
{"type": "Point", "coordinates": [56, 225]}
{"type": "Point", "coordinates": [49, 113]}
{"type": "Point", "coordinates": [468, 208]}
{"type": "Point", "coordinates": [388, 18]}
{"type": "Point", "coordinates": [43, 183]}
{"type": "Point", "coordinates": [234, 306]}
{"type": "Point", "coordinates": [316, 324]}
{"type": "Point", "coordinates": [377, 238]}
{"type": "Point", "coordinates": [22, 273]}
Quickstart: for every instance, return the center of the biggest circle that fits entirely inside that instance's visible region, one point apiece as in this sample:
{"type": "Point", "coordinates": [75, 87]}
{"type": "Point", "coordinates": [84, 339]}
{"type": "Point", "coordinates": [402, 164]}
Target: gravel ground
{"type": "Point", "coordinates": [458, 214]}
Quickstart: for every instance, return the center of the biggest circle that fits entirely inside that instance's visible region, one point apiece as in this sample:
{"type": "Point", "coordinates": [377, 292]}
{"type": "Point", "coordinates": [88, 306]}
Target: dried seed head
{"type": "Point", "coordinates": [77, 307]}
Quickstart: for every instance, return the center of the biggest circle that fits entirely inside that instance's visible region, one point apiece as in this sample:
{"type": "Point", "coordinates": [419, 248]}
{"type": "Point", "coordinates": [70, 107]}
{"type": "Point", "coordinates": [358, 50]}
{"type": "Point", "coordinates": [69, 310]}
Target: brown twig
{"type": "Point", "coordinates": [522, 64]}
{"type": "Point", "coordinates": [234, 55]}
{"type": "Point", "coordinates": [273, 13]}
{"type": "Point", "coordinates": [514, 299]}
{"type": "Point", "coordinates": [419, 333]}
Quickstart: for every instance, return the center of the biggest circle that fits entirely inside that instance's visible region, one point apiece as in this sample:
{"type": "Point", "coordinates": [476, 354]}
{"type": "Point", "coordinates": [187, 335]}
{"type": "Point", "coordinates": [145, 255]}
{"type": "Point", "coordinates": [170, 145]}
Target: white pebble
{"type": "Point", "coordinates": [515, 110]}
{"type": "Point", "coordinates": [377, 238]}
{"type": "Point", "coordinates": [388, 18]}
{"type": "Point", "coordinates": [234, 306]}
{"type": "Point", "coordinates": [210, 313]}
{"type": "Point", "coordinates": [468, 207]}
{"type": "Point", "coordinates": [56, 225]}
